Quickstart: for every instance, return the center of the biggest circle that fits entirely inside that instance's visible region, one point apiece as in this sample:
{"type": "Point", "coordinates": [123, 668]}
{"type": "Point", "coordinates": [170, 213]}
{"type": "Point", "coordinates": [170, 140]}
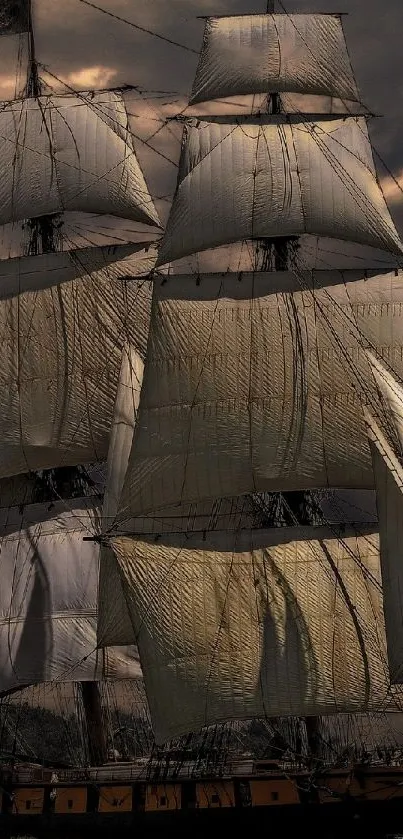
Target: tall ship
{"type": "Point", "coordinates": [201, 442]}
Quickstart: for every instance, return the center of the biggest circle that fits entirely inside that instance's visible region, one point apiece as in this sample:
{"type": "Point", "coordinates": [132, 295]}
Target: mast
{"type": "Point", "coordinates": [276, 256]}
{"type": "Point", "coordinates": [44, 230]}
{"type": "Point", "coordinates": [95, 724]}
{"type": "Point", "coordinates": [45, 237]}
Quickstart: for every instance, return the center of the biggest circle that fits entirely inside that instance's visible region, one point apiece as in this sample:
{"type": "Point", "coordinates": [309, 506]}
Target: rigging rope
{"type": "Point", "coordinates": [140, 28]}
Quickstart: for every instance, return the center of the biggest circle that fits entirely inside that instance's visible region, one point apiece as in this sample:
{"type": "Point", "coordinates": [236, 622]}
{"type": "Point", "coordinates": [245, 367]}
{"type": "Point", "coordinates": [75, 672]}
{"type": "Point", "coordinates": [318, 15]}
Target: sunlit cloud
{"type": "Point", "coordinates": [87, 78]}
{"type": "Point", "coordinates": [91, 77]}
{"type": "Point", "coordinates": [392, 188]}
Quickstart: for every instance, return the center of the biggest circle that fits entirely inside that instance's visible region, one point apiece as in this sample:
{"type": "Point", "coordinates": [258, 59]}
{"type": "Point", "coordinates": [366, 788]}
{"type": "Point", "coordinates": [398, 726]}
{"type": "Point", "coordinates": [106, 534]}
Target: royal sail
{"type": "Point", "coordinates": [48, 598]}
{"type": "Point", "coordinates": [296, 53]}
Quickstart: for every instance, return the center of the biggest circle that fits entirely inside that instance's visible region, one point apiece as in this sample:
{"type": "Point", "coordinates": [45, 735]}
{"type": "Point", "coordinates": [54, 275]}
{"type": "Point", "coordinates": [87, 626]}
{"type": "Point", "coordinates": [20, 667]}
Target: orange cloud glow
{"type": "Point", "coordinates": [393, 191]}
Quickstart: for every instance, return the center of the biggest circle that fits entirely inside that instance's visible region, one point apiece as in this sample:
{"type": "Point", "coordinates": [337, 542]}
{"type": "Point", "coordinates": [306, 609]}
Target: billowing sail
{"type": "Point", "coordinates": [61, 353]}
{"type": "Point", "coordinates": [256, 384]}
{"type": "Point", "coordinates": [388, 474]}
{"type": "Point", "coordinates": [70, 152]}
{"type": "Point", "coordinates": [33, 273]}
{"type": "Point", "coordinates": [294, 53]}
{"type": "Point", "coordinates": [255, 177]}
{"type": "Point", "coordinates": [114, 620]}
{"type": "Point", "coordinates": [285, 621]}
{"type": "Point", "coordinates": [48, 598]}
{"type": "Point", "coordinates": [114, 624]}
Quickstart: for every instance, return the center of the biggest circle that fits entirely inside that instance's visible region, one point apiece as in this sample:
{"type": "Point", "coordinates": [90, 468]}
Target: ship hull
{"type": "Point", "coordinates": [358, 801]}
{"type": "Point", "coordinates": [371, 819]}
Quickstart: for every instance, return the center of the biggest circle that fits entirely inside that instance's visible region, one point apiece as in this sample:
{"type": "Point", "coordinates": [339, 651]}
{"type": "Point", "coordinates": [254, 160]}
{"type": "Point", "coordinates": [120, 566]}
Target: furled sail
{"type": "Point", "coordinates": [33, 273]}
{"type": "Point", "coordinates": [255, 177]}
{"type": "Point", "coordinates": [256, 383]}
{"type": "Point", "coordinates": [61, 353]}
{"type": "Point", "coordinates": [71, 152]}
{"type": "Point", "coordinates": [297, 53]}
{"type": "Point", "coordinates": [388, 474]}
{"type": "Point", "coordinates": [114, 620]}
{"type": "Point", "coordinates": [285, 621]}
{"type": "Point", "coordinates": [48, 598]}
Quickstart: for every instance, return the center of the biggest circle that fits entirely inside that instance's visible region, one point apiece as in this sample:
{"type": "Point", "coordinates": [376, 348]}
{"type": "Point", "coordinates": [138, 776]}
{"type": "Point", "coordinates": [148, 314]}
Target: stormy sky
{"type": "Point", "coordinates": [89, 49]}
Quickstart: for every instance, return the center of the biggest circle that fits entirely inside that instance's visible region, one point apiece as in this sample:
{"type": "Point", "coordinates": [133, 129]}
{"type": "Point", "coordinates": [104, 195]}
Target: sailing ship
{"type": "Point", "coordinates": [229, 405]}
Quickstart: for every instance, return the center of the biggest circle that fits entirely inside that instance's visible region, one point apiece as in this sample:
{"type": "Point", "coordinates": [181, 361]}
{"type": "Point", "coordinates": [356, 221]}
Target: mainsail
{"type": "Point", "coordinates": [114, 617]}
{"type": "Point", "coordinates": [256, 624]}
{"type": "Point", "coordinates": [48, 598]}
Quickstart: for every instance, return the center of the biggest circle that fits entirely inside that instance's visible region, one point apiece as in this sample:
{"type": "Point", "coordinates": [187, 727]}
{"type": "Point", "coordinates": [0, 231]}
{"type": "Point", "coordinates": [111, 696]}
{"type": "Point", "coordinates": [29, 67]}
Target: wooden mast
{"type": "Point", "coordinates": [45, 238]}
{"type": "Point", "coordinates": [279, 248]}
{"type": "Point", "coordinates": [94, 721]}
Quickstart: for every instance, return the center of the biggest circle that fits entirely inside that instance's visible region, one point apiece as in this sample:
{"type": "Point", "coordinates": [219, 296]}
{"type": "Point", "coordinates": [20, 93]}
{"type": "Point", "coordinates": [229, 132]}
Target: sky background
{"type": "Point", "coordinates": [89, 49]}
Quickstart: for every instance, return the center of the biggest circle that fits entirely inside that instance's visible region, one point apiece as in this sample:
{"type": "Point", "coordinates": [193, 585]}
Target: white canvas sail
{"type": "Point", "coordinates": [256, 384]}
{"type": "Point", "coordinates": [253, 178]}
{"type": "Point", "coordinates": [70, 152]}
{"type": "Point", "coordinates": [286, 621]}
{"type": "Point", "coordinates": [260, 53]}
{"type": "Point", "coordinates": [48, 598]}
{"type": "Point", "coordinates": [61, 354]}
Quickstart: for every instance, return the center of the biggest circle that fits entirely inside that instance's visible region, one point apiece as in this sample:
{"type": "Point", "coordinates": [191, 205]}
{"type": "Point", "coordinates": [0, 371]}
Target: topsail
{"type": "Point", "coordinates": [71, 152]}
{"type": "Point", "coordinates": [281, 176]}
{"type": "Point", "coordinates": [257, 384]}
